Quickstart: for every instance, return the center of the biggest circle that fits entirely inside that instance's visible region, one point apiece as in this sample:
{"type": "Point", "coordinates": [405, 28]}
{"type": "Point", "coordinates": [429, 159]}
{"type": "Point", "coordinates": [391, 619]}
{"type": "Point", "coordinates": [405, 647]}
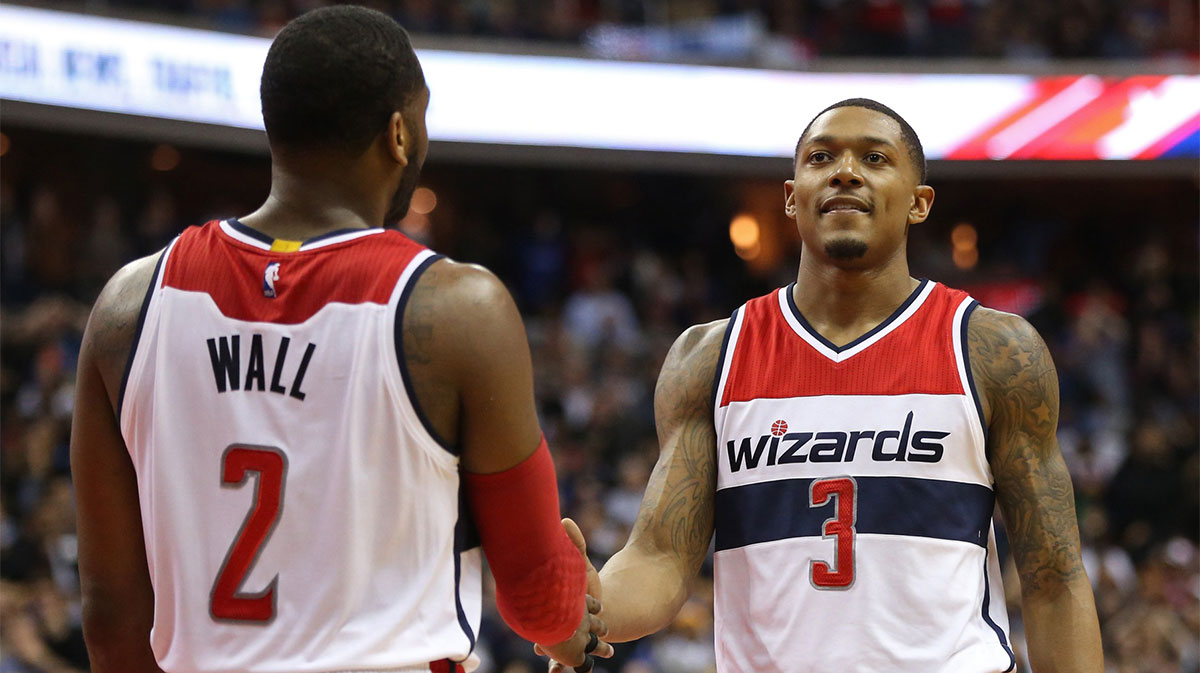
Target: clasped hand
{"type": "Point", "coordinates": [578, 650]}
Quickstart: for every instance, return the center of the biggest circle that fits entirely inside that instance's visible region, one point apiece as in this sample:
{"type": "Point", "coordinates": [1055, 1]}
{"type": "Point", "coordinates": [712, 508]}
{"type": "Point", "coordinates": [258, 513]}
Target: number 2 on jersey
{"type": "Point", "coordinates": [844, 491]}
{"type": "Point", "coordinates": [226, 602]}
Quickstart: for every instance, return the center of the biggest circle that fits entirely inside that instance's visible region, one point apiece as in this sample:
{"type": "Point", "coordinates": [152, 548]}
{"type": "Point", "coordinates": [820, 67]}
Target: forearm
{"type": "Point", "coordinates": [1061, 629]}
{"type": "Point", "coordinates": [643, 591]}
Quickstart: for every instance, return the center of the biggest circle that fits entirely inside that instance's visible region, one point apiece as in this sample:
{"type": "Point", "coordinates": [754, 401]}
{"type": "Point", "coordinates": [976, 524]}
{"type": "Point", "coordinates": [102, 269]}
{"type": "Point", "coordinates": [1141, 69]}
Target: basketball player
{"type": "Point", "coordinates": [275, 415]}
{"type": "Point", "coordinates": [846, 437]}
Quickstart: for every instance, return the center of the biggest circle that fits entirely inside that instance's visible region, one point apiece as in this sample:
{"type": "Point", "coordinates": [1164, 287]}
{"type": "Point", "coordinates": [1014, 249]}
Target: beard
{"type": "Point", "coordinates": [845, 249]}
{"type": "Point", "coordinates": [404, 192]}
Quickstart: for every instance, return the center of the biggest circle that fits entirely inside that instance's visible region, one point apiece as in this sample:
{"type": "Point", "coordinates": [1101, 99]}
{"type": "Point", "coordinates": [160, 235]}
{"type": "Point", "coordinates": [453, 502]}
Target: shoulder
{"type": "Point", "coordinates": [1010, 362]}
{"type": "Point", "coordinates": [691, 365]}
{"type": "Point", "coordinates": [461, 310]}
{"type": "Point", "coordinates": [463, 294]}
{"type": "Point", "coordinates": [699, 346]}
{"type": "Point", "coordinates": [114, 319]}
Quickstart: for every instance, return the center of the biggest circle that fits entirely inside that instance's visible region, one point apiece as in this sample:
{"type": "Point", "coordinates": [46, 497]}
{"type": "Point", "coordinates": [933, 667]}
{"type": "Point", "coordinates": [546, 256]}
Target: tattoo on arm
{"type": "Point", "coordinates": [1015, 373]}
{"type": "Point", "coordinates": [418, 318]}
{"type": "Point", "coordinates": [677, 510]}
{"type": "Point", "coordinates": [437, 395]}
{"type": "Point", "coordinates": [113, 322]}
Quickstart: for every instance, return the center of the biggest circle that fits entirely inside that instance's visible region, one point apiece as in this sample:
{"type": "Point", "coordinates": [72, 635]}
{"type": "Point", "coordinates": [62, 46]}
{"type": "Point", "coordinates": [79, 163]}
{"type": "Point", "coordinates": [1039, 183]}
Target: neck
{"type": "Point", "coordinates": [842, 304]}
{"type": "Point", "coordinates": [314, 197]}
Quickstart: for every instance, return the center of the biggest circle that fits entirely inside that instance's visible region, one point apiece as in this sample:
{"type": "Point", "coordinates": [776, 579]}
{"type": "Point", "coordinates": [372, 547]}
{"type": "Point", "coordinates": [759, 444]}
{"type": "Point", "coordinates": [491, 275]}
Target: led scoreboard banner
{"type": "Point", "coordinates": [150, 70]}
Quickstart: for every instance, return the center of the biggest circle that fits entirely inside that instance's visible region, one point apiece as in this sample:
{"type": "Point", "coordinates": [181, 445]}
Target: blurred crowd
{"type": "Point", "coordinates": [608, 271]}
{"type": "Point", "coordinates": [778, 33]}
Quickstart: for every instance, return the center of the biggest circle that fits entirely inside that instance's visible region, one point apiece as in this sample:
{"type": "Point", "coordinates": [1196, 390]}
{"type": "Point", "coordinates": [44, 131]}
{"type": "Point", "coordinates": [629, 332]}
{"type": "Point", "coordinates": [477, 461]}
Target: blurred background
{"type": "Point", "coordinates": [1051, 203]}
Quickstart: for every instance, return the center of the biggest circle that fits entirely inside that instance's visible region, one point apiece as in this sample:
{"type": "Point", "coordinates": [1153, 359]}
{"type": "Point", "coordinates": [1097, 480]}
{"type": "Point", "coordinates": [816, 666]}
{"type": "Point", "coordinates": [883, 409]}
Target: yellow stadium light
{"type": "Point", "coordinates": [966, 258]}
{"type": "Point", "coordinates": [964, 236]}
{"type": "Point", "coordinates": [744, 233]}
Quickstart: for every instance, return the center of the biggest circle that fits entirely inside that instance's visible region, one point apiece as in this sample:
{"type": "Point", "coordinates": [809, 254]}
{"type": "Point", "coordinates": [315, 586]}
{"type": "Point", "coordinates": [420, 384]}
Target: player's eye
{"type": "Point", "coordinates": [818, 156]}
{"type": "Point", "coordinates": [875, 158]}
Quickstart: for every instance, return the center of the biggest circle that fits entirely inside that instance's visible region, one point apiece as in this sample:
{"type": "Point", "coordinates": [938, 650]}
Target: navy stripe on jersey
{"type": "Point", "coordinates": [779, 510]}
{"type": "Point", "coordinates": [252, 233]}
{"type": "Point", "coordinates": [987, 617]}
{"type": "Point", "coordinates": [966, 358]}
{"type": "Point", "coordinates": [466, 537]}
{"type": "Point", "coordinates": [791, 299]}
{"type": "Point", "coordinates": [399, 337]}
{"type": "Point", "coordinates": [141, 321]}
{"type": "Point", "coordinates": [721, 359]}
{"type": "Point", "coordinates": [339, 232]}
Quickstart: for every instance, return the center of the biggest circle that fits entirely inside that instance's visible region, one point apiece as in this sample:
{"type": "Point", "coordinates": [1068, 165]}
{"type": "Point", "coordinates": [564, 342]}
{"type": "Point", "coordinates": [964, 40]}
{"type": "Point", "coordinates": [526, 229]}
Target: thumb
{"type": "Point", "coordinates": [576, 535]}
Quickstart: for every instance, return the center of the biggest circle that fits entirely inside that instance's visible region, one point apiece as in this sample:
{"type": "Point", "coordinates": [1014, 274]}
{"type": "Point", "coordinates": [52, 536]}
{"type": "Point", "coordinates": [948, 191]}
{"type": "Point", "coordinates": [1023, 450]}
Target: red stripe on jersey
{"type": "Point", "coordinates": [357, 271]}
{"type": "Point", "coordinates": [771, 361]}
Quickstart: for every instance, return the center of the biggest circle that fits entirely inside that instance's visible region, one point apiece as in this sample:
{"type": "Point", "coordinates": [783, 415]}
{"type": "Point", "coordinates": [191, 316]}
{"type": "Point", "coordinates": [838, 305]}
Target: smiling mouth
{"type": "Point", "coordinates": [844, 205]}
{"type": "Point", "coordinates": [844, 209]}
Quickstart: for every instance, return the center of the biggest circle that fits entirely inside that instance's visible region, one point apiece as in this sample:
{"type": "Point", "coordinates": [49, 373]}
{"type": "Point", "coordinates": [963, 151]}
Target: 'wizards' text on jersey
{"type": "Point", "coordinates": [854, 500]}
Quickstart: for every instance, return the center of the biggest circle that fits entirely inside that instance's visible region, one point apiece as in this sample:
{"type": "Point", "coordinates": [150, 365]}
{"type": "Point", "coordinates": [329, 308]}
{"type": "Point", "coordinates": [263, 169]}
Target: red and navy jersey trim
{"type": "Point", "coordinates": [791, 302]}
{"type": "Point", "coordinates": [248, 231]}
{"type": "Point", "coordinates": [229, 265]}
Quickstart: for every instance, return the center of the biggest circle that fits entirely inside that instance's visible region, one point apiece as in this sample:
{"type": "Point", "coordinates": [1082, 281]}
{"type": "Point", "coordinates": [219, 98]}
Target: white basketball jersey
{"type": "Point", "coordinates": [298, 513]}
{"type": "Point", "coordinates": [854, 499]}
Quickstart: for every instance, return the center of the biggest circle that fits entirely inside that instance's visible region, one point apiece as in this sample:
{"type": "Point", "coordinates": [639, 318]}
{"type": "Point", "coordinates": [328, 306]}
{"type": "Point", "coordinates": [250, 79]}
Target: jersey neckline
{"type": "Point", "coordinates": [804, 330]}
{"type": "Point", "coordinates": [250, 236]}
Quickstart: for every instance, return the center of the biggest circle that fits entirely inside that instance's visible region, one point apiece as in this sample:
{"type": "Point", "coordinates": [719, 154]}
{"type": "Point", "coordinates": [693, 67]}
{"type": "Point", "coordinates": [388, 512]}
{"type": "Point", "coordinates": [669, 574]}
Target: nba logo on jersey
{"type": "Point", "coordinates": [269, 277]}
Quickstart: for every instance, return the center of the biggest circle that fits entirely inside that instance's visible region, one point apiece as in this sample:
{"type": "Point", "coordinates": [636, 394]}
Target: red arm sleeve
{"type": "Point", "coordinates": [540, 575]}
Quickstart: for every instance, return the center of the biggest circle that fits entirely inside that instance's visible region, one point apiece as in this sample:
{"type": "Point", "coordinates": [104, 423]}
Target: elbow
{"type": "Point", "coordinates": [544, 604]}
{"type": "Point", "coordinates": [115, 642]}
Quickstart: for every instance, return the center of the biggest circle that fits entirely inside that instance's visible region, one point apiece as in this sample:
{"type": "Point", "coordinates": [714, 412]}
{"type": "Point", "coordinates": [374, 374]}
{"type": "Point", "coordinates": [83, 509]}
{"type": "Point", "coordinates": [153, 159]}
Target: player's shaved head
{"type": "Point", "coordinates": [334, 76]}
{"type": "Point", "coordinates": [912, 143]}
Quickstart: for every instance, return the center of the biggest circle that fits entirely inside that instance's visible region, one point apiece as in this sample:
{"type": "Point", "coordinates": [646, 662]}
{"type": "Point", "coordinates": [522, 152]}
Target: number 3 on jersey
{"type": "Point", "coordinates": [844, 491]}
{"type": "Point", "coordinates": [227, 603]}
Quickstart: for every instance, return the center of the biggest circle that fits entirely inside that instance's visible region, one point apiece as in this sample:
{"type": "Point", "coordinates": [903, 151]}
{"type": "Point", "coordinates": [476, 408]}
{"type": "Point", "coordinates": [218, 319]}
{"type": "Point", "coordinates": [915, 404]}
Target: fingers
{"type": "Point", "coordinates": [593, 605]}
{"type": "Point", "coordinates": [576, 535]}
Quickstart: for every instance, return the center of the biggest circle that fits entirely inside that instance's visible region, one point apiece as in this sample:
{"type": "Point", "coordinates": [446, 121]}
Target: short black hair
{"type": "Point", "coordinates": [915, 152]}
{"type": "Point", "coordinates": [334, 76]}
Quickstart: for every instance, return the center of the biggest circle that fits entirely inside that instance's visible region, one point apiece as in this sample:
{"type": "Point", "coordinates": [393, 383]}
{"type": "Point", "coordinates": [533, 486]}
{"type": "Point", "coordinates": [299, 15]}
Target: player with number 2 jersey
{"type": "Point", "coordinates": [298, 433]}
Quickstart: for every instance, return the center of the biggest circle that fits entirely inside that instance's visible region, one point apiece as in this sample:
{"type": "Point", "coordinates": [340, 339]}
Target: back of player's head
{"type": "Point", "coordinates": [334, 76]}
{"type": "Point", "coordinates": [911, 142]}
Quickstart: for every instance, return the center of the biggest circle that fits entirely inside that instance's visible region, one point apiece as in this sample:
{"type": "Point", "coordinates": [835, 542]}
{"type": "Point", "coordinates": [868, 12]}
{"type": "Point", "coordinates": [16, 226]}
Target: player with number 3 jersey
{"type": "Point", "coordinates": [846, 438]}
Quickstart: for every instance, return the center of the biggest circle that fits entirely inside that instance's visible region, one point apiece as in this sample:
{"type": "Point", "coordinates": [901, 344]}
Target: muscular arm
{"type": "Point", "coordinates": [118, 601]}
{"type": "Point", "coordinates": [1019, 391]}
{"type": "Point", "coordinates": [647, 582]}
{"type": "Point", "coordinates": [466, 351]}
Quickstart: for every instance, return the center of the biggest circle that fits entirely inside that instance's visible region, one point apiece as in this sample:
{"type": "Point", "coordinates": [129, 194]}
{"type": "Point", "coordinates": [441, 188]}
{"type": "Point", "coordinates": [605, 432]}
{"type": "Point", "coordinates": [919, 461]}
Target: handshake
{"type": "Point", "coordinates": [579, 650]}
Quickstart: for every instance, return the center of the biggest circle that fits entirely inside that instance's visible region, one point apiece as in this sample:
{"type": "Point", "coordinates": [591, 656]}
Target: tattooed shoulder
{"type": "Point", "coordinates": [113, 321]}
{"type": "Point", "coordinates": [1013, 370]}
{"type": "Point", "coordinates": [1017, 381]}
{"type": "Point", "coordinates": [677, 510]}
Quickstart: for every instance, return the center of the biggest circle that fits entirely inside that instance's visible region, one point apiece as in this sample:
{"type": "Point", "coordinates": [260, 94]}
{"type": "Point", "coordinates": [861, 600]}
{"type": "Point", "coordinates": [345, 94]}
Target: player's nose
{"type": "Point", "coordinates": [845, 172]}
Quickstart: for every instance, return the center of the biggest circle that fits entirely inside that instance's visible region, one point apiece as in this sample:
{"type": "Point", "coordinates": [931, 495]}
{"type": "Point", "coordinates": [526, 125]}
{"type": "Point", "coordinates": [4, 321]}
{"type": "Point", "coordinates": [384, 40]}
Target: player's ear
{"type": "Point", "coordinates": [789, 198]}
{"type": "Point", "coordinates": [921, 204]}
{"type": "Point", "coordinates": [397, 139]}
